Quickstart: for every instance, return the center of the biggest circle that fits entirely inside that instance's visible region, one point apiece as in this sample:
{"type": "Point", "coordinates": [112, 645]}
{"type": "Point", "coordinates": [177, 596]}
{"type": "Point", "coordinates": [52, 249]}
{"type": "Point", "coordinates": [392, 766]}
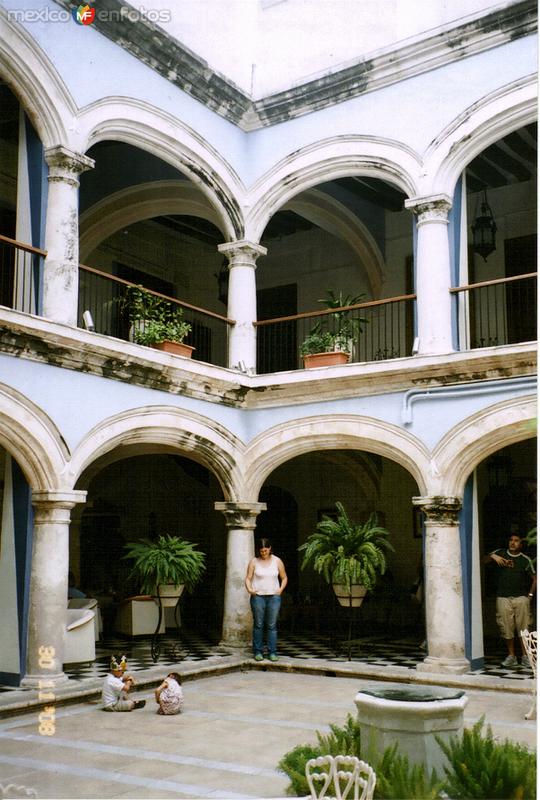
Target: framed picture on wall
{"type": "Point", "coordinates": [418, 522]}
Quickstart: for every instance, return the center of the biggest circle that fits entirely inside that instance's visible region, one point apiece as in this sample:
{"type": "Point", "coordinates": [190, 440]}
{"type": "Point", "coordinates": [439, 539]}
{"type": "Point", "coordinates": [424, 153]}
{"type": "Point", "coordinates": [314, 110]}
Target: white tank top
{"type": "Point", "coordinates": [266, 576]}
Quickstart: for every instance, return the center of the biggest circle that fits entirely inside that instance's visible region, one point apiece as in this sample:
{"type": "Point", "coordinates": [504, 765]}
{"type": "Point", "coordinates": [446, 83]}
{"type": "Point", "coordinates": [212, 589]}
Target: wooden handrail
{"type": "Point", "coordinates": [115, 279]}
{"type": "Point", "coordinates": [307, 314]}
{"type": "Point", "coordinates": [494, 282]}
{"type": "Point", "coordinates": [21, 246]}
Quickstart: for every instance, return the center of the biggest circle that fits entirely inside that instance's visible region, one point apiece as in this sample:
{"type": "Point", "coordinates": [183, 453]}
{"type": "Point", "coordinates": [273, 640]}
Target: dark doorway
{"type": "Point", "coordinates": [277, 348]}
{"type": "Point", "coordinates": [280, 524]}
{"type": "Point", "coordinates": [520, 259]}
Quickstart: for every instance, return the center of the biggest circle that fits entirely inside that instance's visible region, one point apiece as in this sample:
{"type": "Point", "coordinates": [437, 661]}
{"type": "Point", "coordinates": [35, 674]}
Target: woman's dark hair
{"type": "Point", "coordinates": [263, 543]}
{"type": "Point", "coordinates": [176, 677]}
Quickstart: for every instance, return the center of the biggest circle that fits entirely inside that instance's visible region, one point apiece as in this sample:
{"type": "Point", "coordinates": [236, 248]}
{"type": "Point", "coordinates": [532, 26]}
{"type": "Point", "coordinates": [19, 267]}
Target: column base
{"type": "Point", "coordinates": [452, 666]}
{"type": "Point", "coordinates": [235, 643]}
{"type": "Point", "coordinates": [44, 681]}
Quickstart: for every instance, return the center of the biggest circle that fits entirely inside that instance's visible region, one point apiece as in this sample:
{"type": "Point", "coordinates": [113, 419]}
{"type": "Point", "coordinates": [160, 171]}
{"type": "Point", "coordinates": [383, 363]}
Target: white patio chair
{"type": "Point", "coordinates": [346, 776]}
{"type": "Point", "coordinates": [530, 643]}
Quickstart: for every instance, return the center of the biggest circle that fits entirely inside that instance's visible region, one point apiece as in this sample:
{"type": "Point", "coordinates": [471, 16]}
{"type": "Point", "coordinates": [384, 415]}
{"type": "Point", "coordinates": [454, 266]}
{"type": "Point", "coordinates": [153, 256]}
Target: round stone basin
{"type": "Point", "coordinates": [411, 717]}
{"type": "Point", "coordinates": [415, 695]}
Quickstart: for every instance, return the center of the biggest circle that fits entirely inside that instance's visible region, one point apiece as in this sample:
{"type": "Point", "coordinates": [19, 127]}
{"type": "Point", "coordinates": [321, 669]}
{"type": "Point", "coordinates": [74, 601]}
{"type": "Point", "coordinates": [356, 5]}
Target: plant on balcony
{"type": "Point", "coordinates": [347, 554]}
{"type": "Point", "coordinates": [156, 322]}
{"type": "Point", "coordinates": [346, 326]}
{"type": "Point", "coordinates": [336, 344]}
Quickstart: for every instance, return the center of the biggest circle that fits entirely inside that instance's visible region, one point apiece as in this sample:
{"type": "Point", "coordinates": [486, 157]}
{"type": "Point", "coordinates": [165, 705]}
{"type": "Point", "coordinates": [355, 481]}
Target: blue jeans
{"type": "Point", "coordinates": [265, 610]}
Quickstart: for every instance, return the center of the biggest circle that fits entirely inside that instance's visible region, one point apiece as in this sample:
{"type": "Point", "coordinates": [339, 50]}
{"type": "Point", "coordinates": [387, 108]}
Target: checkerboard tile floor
{"type": "Point", "coordinates": [382, 651]}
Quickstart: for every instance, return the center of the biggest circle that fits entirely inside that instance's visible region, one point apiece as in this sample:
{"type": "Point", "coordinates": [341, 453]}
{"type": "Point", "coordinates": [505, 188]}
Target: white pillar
{"type": "Point", "coordinates": [433, 299]}
{"type": "Point", "coordinates": [242, 301]}
{"type": "Point", "coordinates": [241, 519]}
{"type": "Point", "coordinates": [445, 619]}
{"type": "Point", "coordinates": [61, 275]}
{"type": "Point", "coordinates": [48, 587]}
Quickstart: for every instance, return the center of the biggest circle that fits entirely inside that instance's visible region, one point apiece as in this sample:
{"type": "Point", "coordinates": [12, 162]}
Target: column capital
{"type": "Point", "coordinates": [240, 515]}
{"type": "Point", "coordinates": [432, 208]}
{"type": "Point", "coordinates": [440, 510]}
{"type": "Point", "coordinates": [58, 499]}
{"type": "Point", "coordinates": [242, 253]}
{"type": "Point", "coordinates": [65, 165]}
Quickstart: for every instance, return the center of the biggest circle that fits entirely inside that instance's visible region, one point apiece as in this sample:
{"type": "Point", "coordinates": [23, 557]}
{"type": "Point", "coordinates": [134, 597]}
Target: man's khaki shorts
{"type": "Point", "coordinates": [513, 615]}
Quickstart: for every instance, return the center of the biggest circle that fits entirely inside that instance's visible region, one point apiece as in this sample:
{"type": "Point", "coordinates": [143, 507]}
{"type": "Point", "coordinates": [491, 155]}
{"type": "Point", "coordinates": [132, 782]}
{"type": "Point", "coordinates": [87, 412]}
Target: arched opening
{"type": "Point", "coordinates": [346, 241]}
{"type": "Point", "coordinates": [298, 493]}
{"type": "Point", "coordinates": [144, 496]}
{"type": "Point", "coordinates": [497, 261]}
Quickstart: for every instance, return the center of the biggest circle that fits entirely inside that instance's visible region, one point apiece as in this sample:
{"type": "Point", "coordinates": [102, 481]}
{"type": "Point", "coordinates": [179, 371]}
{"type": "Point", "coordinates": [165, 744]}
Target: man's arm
{"type": "Point", "coordinates": [499, 560]}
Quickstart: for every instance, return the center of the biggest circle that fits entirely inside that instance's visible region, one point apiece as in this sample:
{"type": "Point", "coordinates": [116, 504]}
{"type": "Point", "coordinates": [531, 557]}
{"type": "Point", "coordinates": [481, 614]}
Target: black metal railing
{"type": "Point", "coordinates": [376, 331]}
{"type": "Point", "coordinates": [106, 298]}
{"type": "Point", "coordinates": [21, 270]}
{"type": "Point", "coordinates": [497, 312]}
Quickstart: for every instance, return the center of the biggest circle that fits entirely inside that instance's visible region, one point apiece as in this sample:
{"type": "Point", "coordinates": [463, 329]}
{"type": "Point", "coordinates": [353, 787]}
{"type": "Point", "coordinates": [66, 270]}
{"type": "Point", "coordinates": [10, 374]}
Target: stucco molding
{"type": "Point", "coordinates": [241, 516]}
{"type": "Point", "coordinates": [284, 442]}
{"type": "Point", "coordinates": [33, 441]}
{"type": "Point", "coordinates": [154, 429]}
{"type": "Point", "coordinates": [475, 438]}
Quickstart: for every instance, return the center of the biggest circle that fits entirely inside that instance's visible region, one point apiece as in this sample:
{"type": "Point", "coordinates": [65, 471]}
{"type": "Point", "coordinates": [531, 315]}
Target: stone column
{"type": "Point", "coordinates": [61, 276]}
{"type": "Point", "coordinates": [48, 587]}
{"type": "Point", "coordinates": [445, 619]}
{"type": "Point", "coordinates": [242, 304]}
{"type": "Point", "coordinates": [241, 519]}
{"type": "Point", "coordinates": [433, 299]}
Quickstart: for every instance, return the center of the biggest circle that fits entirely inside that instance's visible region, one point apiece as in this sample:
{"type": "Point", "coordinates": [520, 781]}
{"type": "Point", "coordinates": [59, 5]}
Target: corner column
{"type": "Point", "coordinates": [445, 619]}
{"type": "Point", "coordinates": [242, 301]}
{"type": "Point", "coordinates": [48, 587]}
{"type": "Point", "coordinates": [61, 271]}
{"type": "Point", "coordinates": [433, 299]}
{"type": "Point", "coordinates": [241, 520]}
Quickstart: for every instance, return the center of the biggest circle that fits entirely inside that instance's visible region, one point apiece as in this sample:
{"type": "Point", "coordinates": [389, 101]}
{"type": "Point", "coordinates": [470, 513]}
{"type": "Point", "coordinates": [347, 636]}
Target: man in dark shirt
{"type": "Point", "coordinates": [516, 584]}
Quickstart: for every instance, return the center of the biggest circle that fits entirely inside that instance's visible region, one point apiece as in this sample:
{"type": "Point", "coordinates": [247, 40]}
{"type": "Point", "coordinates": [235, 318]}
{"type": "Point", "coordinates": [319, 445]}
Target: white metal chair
{"type": "Point", "coordinates": [347, 776]}
{"type": "Point", "coordinates": [530, 643]}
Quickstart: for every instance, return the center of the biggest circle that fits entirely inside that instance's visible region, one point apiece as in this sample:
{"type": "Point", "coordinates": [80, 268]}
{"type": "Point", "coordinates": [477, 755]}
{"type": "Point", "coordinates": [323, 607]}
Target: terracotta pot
{"type": "Point", "coordinates": [353, 598]}
{"type": "Point", "coordinates": [326, 359]}
{"type": "Point", "coordinates": [169, 594]}
{"type": "Point", "coordinates": [176, 348]}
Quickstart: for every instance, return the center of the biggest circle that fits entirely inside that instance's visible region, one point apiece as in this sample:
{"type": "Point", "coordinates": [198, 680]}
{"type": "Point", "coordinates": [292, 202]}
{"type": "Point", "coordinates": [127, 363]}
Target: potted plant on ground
{"type": "Point", "coordinates": [163, 567]}
{"type": "Point", "coordinates": [156, 322]}
{"type": "Point", "coordinates": [348, 555]}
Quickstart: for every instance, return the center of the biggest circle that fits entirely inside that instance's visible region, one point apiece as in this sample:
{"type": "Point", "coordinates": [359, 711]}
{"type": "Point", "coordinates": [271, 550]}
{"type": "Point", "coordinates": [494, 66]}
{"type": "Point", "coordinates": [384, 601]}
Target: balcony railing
{"type": "Point", "coordinates": [20, 275]}
{"type": "Point", "coordinates": [104, 296]}
{"type": "Point", "coordinates": [381, 329]}
{"type": "Point", "coordinates": [497, 312]}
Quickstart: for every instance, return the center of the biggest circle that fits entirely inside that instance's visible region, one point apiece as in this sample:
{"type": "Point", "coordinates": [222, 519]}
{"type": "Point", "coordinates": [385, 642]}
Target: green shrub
{"type": "Point", "coordinates": [293, 764]}
{"type": "Point", "coordinates": [482, 768]}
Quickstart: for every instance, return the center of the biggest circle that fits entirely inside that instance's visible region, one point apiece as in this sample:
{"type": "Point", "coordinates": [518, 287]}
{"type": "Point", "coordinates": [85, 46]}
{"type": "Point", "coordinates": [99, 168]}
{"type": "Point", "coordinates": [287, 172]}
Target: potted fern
{"type": "Point", "coordinates": [156, 322]}
{"type": "Point", "coordinates": [348, 555]}
{"type": "Point", "coordinates": [163, 567]}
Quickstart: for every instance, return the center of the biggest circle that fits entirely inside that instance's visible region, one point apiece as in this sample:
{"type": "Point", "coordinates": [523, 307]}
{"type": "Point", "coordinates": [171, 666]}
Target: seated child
{"type": "Point", "coordinates": [169, 695]}
{"type": "Point", "coordinates": [116, 687]}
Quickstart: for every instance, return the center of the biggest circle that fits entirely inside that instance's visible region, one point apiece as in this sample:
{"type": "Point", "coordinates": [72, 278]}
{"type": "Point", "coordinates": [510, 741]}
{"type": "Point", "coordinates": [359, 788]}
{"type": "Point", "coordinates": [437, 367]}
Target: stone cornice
{"type": "Point", "coordinates": [25, 336]}
{"type": "Point", "coordinates": [190, 73]}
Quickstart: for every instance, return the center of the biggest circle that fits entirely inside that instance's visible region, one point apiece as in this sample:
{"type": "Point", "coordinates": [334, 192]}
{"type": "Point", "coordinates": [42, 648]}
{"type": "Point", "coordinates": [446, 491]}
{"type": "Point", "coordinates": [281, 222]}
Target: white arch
{"type": "Point", "coordinates": [165, 429]}
{"type": "Point", "coordinates": [33, 440]}
{"type": "Point", "coordinates": [477, 437]}
{"type": "Point", "coordinates": [344, 432]}
{"type": "Point", "coordinates": [138, 123]}
{"type": "Point", "coordinates": [480, 125]}
{"type": "Point", "coordinates": [139, 202]}
{"type": "Point", "coordinates": [323, 161]}
{"type": "Point", "coordinates": [33, 78]}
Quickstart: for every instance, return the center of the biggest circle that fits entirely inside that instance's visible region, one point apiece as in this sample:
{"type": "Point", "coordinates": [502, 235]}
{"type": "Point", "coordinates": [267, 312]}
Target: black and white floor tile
{"type": "Point", "coordinates": [381, 651]}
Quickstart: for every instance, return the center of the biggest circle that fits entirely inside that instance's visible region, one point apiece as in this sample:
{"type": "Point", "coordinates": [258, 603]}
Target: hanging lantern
{"type": "Point", "coordinates": [484, 230]}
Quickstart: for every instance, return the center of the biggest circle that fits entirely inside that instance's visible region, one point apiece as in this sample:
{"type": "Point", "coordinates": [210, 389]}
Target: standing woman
{"type": "Point", "coordinates": [265, 581]}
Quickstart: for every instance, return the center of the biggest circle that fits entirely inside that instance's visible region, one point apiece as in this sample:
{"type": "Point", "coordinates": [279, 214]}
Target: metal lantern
{"type": "Point", "coordinates": [484, 230]}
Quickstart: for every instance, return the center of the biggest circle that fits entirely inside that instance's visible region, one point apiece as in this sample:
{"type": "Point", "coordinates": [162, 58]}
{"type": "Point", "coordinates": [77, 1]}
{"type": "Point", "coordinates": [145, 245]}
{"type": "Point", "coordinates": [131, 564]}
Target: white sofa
{"type": "Point", "coordinates": [79, 636]}
{"type": "Point", "coordinates": [92, 604]}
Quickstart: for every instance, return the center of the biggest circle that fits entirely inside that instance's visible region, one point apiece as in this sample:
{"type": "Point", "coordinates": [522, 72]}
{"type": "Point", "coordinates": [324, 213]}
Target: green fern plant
{"type": "Point", "coordinates": [170, 559]}
{"type": "Point", "coordinates": [346, 552]}
{"type": "Point", "coordinates": [480, 767]}
{"type": "Point", "coordinates": [158, 319]}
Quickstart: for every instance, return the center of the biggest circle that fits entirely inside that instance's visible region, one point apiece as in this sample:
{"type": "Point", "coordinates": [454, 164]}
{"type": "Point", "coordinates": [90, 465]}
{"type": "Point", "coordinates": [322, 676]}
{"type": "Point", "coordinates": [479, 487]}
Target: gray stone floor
{"type": "Point", "coordinates": [226, 744]}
